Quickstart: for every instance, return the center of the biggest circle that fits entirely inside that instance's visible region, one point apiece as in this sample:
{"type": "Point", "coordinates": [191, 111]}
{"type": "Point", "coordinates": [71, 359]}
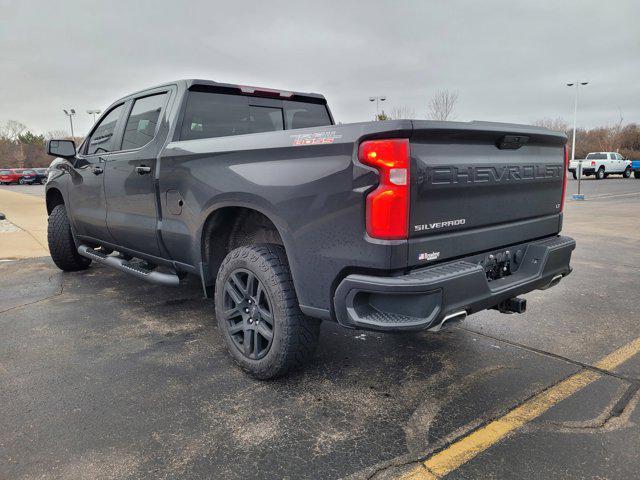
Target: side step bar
{"type": "Point", "coordinates": [159, 278]}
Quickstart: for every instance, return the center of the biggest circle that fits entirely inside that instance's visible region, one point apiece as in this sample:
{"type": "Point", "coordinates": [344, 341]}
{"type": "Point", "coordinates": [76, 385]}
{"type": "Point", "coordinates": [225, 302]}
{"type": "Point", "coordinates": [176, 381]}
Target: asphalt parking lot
{"type": "Point", "coordinates": [105, 377]}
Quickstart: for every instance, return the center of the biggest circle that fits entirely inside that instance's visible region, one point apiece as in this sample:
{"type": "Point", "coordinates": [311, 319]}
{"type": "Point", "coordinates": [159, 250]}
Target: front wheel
{"type": "Point", "coordinates": [627, 172]}
{"type": "Point", "coordinates": [258, 314]}
{"type": "Point", "coordinates": [22, 181]}
{"type": "Point", "coordinates": [600, 174]}
{"type": "Point", "coordinates": [62, 246]}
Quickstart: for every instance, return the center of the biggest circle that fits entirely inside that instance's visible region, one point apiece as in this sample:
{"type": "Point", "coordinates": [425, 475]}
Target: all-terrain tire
{"type": "Point", "coordinates": [295, 336]}
{"type": "Point", "coordinates": [600, 174]}
{"type": "Point", "coordinates": [627, 172]}
{"type": "Point", "coordinates": [62, 247]}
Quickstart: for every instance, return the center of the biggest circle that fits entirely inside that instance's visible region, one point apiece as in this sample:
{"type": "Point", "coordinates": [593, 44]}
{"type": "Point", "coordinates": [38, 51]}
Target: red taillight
{"type": "Point", "coordinates": [593, 163]}
{"type": "Point", "coordinates": [564, 180]}
{"type": "Point", "coordinates": [387, 214]}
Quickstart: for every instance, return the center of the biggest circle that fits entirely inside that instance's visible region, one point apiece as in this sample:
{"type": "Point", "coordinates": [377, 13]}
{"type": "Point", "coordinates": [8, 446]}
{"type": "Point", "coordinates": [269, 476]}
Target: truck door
{"type": "Point", "coordinates": [132, 212]}
{"type": "Point", "coordinates": [86, 205]}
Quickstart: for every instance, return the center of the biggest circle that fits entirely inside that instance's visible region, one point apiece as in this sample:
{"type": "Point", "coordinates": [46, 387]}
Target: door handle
{"type": "Point", "coordinates": [142, 170]}
{"type": "Point", "coordinates": [97, 170]}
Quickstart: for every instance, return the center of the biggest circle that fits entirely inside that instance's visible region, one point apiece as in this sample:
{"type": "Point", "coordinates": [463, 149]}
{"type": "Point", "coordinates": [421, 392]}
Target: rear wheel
{"type": "Point", "coordinates": [62, 246]}
{"type": "Point", "coordinates": [627, 172]}
{"type": "Point", "coordinates": [575, 176]}
{"type": "Point", "coordinates": [258, 314]}
{"type": "Point", "coordinates": [600, 173]}
{"type": "Point", "coordinates": [22, 181]}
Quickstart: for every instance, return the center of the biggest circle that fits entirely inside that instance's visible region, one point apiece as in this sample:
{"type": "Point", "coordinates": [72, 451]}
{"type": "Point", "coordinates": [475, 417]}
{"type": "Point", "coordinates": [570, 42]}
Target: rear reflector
{"type": "Point", "coordinates": [387, 210]}
{"type": "Point", "coordinates": [564, 180]}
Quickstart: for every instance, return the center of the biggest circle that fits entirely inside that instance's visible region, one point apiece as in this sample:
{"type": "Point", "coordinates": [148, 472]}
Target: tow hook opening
{"type": "Point", "coordinates": [513, 305]}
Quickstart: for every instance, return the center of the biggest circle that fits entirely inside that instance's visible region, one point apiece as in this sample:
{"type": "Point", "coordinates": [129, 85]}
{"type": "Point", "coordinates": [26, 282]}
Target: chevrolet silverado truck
{"type": "Point", "coordinates": [288, 219]}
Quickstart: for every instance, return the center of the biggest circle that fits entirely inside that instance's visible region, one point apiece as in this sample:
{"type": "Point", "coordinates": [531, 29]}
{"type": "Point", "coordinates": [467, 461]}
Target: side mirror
{"type": "Point", "coordinates": [61, 148]}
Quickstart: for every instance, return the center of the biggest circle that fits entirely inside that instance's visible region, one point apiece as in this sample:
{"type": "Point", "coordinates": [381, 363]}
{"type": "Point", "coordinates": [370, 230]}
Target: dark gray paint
{"type": "Point", "coordinates": [313, 194]}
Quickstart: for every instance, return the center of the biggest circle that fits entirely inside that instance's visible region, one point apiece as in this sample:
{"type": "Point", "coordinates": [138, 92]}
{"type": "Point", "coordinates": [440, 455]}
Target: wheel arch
{"type": "Point", "coordinates": [54, 198]}
{"type": "Point", "coordinates": [232, 225]}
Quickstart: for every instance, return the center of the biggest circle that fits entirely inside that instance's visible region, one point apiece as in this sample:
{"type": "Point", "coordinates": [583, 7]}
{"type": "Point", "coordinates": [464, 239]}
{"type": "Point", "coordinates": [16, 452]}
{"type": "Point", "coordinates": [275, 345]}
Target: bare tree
{"type": "Point", "coordinates": [398, 113]}
{"type": "Point", "coordinates": [553, 124]}
{"type": "Point", "coordinates": [610, 140]}
{"type": "Point", "coordinates": [57, 135]}
{"type": "Point", "coordinates": [442, 104]}
{"type": "Point", "coordinates": [12, 129]}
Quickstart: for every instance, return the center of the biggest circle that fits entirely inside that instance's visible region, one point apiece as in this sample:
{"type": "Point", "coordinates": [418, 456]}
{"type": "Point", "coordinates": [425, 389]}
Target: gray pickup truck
{"type": "Point", "coordinates": [289, 219]}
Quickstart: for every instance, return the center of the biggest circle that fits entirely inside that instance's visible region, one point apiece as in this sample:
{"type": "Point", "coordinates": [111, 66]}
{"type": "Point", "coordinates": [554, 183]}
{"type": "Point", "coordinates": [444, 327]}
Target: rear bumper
{"type": "Point", "coordinates": [584, 170]}
{"type": "Point", "coordinates": [424, 297]}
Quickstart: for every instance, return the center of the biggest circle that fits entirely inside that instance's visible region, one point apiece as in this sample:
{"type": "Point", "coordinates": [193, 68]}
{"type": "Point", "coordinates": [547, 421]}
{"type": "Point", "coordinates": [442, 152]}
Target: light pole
{"type": "Point", "coordinates": [94, 113]}
{"type": "Point", "coordinates": [70, 114]}
{"type": "Point", "coordinates": [380, 98]}
{"type": "Point", "coordinates": [573, 142]}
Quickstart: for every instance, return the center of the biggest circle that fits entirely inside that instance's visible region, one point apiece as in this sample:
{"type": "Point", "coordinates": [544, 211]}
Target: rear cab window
{"type": "Point", "coordinates": [209, 114]}
{"type": "Point", "coordinates": [597, 156]}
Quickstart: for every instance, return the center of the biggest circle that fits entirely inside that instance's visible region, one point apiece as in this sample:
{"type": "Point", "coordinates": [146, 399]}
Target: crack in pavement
{"type": "Point", "coordinates": [615, 416]}
{"type": "Point", "coordinates": [577, 363]}
{"type": "Point", "coordinates": [48, 297]}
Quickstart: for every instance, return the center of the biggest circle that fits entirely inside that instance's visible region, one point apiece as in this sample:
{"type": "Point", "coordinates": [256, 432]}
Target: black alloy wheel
{"type": "Point", "coordinates": [247, 314]}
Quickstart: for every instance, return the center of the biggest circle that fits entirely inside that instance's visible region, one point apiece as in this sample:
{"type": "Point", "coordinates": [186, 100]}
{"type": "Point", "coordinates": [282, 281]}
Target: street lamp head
{"type": "Point", "coordinates": [570, 84]}
{"type": "Point", "coordinates": [372, 99]}
{"type": "Point", "coordinates": [382, 99]}
{"type": "Point", "coordinates": [583, 83]}
{"type": "Point", "coordinates": [73, 112]}
{"type": "Point", "coordinates": [65, 112]}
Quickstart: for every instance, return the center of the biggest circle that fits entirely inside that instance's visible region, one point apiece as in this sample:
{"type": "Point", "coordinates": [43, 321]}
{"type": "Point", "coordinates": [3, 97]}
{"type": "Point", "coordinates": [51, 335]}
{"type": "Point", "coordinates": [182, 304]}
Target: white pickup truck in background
{"type": "Point", "coordinates": [602, 164]}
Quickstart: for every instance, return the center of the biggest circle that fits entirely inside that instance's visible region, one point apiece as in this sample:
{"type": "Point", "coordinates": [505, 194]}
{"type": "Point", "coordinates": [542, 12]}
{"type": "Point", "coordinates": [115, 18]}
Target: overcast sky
{"type": "Point", "coordinates": [509, 60]}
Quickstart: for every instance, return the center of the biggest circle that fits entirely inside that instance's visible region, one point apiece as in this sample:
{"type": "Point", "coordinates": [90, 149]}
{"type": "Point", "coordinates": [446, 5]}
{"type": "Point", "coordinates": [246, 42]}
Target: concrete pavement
{"type": "Point", "coordinates": [24, 232]}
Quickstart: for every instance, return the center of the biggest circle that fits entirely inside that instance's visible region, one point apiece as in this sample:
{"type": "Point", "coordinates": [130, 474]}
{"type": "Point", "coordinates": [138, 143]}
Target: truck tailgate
{"type": "Point", "coordinates": [479, 186]}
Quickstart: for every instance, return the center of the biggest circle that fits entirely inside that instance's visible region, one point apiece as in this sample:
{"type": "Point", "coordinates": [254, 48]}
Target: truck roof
{"type": "Point", "coordinates": [241, 89]}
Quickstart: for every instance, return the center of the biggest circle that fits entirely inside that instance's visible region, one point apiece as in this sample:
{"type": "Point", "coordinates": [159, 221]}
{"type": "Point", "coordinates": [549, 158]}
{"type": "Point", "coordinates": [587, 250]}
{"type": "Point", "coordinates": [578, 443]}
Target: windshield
{"type": "Point", "coordinates": [597, 156]}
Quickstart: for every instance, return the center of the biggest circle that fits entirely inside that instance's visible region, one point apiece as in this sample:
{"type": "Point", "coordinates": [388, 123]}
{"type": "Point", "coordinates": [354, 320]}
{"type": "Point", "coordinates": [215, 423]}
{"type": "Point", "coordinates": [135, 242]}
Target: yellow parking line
{"type": "Point", "coordinates": [478, 441]}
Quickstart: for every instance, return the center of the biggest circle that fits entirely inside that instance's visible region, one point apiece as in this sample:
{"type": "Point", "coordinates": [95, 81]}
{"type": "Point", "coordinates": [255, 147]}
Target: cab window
{"type": "Point", "coordinates": [142, 121]}
{"type": "Point", "coordinates": [102, 139]}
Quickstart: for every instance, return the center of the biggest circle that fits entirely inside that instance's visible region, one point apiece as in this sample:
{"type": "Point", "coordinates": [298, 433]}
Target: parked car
{"type": "Point", "coordinates": [29, 176]}
{"type": "Point", "coordinates": [41, 175]}
{"type": "Point", "coordinates": [635, 166]}
{"type": "Point", "coordinates": [8, 176]}
{"type": "Point", "coordinates": [17, 175]}
{"type": "Point", "coordinates": [602, 164]}
{"type": "Point", "coordinates": [289, 219]}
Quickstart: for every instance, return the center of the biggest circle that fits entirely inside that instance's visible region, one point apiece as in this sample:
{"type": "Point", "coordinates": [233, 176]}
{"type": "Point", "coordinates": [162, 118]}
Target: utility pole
{"type": "Point", "coordinates": [377, 99]}
{"type": "Point", "coordinates": [70, 114]}
{"type": "Point", "coordinates": [94, 113]}
{"type": "Point", "coordinates": [573, 142]}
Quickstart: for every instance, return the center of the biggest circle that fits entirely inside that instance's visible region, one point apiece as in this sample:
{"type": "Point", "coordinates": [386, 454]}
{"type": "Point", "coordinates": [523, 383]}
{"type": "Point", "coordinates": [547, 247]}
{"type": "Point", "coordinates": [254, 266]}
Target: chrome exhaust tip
{"type": "Point", "coordinates": [554, 281]}
{"type": "Point", "coordinates": [449, 320]}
